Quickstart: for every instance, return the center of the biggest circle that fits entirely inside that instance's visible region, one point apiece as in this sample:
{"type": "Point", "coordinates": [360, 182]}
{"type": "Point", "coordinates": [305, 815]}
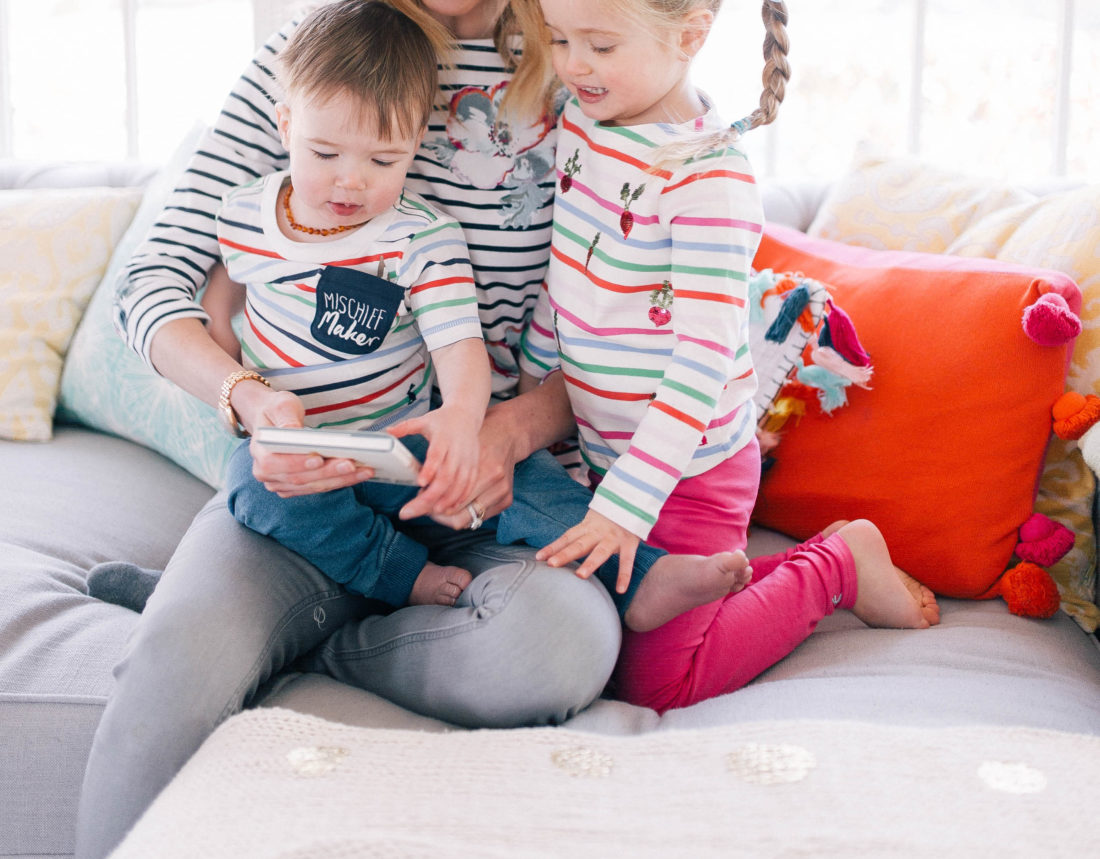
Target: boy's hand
{"type": "Point", "coordinates": [291, 474]}
{"type": "Point", "coordinates": [451, 465]}
{"type": "Point", "coordinates": [596, 539]}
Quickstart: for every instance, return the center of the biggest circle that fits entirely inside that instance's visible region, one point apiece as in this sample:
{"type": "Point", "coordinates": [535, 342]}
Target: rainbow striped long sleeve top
{"type": "Point", "coordinates": [644, 308]}
{"type": "Point", "coordinates": [348, 324]}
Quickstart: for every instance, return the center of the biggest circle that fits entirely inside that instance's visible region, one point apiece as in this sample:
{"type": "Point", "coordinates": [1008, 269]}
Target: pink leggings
{"type": "Point", "coordinates": [721, 646]}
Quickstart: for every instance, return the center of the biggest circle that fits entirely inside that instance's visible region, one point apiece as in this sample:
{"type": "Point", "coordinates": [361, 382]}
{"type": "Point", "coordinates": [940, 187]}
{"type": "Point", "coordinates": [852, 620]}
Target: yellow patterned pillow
{"type": "Point", "coordinates": [904, 204]}
{"type": "Point", "coordinates": [1060, 231]}
{"type": "Point", "coordinates": [54, 248]}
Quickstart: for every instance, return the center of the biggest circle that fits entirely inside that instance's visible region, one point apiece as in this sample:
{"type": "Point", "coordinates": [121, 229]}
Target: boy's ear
{"type": "Point", "coordinates": [695, 30]}
{"type": "Point", "coordinates": [282, 116]}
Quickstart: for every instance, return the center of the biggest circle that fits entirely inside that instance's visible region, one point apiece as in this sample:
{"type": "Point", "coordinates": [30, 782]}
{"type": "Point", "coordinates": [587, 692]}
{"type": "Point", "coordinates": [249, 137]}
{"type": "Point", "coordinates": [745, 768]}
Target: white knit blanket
{"type": "Point", "coordinates": [274, 783]}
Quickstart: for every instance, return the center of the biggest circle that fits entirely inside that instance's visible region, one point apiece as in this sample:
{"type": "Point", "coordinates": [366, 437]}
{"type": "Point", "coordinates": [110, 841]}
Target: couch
{"type": "Point", "coordinates": [978, 737]}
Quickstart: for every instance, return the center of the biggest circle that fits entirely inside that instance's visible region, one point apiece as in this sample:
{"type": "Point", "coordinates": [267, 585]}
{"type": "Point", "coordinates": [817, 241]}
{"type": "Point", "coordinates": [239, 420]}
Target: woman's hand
{"type": "Point", "coordinates": [595, 539]}
{"type": "Point", "coordinates": [289, 474]}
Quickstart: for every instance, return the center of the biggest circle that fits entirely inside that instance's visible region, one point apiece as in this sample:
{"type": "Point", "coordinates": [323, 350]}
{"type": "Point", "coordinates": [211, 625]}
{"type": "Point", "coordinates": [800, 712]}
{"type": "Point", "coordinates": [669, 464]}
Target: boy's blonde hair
{"type": "Point", "coordinates": [372, 50]}
{"type": "Point", "coordinates": [528, 95]}
{"type": "Point", "coordinates": [661, 16]}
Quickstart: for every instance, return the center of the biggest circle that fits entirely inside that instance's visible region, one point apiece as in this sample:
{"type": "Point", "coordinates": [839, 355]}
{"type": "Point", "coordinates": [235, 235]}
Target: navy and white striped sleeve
{"type": "Point", "coordinates": [171, 263]}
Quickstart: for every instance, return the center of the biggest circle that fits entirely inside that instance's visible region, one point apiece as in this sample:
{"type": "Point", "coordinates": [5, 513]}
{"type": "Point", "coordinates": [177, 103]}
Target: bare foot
{"type": "Point", "coordinates": [887, 596]}
{"type": "Point", "coordinates": [676, 583]}
{"type": "Point", "coordinates": [438, 585]}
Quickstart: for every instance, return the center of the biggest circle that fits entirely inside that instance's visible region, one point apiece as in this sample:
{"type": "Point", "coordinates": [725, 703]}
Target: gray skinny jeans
{"type": "Point", "coordinates": [526, 644]}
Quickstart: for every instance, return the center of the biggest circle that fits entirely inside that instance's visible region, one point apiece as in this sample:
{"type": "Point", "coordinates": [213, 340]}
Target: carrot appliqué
{"type": "Point", "coordinates": [626, 219]}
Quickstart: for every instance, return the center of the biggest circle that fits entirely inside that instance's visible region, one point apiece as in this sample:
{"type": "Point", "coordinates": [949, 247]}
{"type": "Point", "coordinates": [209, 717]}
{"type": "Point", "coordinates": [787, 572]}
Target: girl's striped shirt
{"type": "Point", "coordinates": [497, 182]}
{"type": "Point", "coordinates": [644, 309]}
{"type": "Point", "coordinates": [347, 324]}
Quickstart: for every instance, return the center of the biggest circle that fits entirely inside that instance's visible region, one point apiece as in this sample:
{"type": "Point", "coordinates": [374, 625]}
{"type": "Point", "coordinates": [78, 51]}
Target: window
{"type": "Point", "coordinates": [1009, 88]}
{"type": "Point", "coordinates": [1005, 88]}
{"type": "Point", "coordinates": [109, 79]}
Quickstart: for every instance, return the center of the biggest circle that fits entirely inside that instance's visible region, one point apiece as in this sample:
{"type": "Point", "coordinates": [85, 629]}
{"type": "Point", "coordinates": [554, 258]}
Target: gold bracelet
{"type": "Point", "coordinates": [225, 408]}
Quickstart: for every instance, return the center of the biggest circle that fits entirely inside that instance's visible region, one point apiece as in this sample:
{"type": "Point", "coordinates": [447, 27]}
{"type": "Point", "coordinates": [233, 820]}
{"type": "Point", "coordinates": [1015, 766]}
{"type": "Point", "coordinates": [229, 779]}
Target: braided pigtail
{"type": "Point", "coordinates": [777, 70]}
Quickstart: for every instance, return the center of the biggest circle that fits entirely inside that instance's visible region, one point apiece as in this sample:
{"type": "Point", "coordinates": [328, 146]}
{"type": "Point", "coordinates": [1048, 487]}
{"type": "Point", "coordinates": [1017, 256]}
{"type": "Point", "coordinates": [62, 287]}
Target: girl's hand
{"type": "Point", "coordinates": [289, 474]}
{"type": "Point", "coordinates": [450, 466]}
{"type": "Point", "coordinates": [595, 539]}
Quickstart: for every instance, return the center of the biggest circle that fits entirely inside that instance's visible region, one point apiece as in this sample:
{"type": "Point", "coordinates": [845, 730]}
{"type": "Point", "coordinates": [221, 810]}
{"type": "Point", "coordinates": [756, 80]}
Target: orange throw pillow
{"type": "Point", "coordinates": [945, 451]}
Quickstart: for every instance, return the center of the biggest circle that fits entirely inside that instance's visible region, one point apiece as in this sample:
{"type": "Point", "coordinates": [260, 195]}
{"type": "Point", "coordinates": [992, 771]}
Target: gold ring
{"type": "Point", "coordinates": [476, 515]}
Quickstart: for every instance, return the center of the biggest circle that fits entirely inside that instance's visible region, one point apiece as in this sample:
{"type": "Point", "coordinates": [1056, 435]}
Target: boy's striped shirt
{"type": "Point", "coordinates": [506, 216]}
{"type": "Point", "coordinates": [410, 245]}
{"type": "Point", "coordinates": [645, 308]}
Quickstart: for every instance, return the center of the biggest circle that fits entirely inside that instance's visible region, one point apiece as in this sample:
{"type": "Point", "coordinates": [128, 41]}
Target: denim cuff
{"type": "Point", "coordinates": [403, 561]}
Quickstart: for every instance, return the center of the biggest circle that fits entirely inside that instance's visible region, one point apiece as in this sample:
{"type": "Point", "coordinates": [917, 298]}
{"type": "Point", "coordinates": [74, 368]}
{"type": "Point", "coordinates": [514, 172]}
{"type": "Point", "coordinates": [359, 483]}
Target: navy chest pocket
{"type": "Point", "coordinates": [355, 310]}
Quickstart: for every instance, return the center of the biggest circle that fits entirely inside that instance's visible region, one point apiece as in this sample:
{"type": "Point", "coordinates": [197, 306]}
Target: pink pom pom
{"type": "Point", "coordinates": [839, 332]}
{"type": "Point", "coordinates": [1043, 541]}
{"type": "Point", "coordinates": [1050, 322]}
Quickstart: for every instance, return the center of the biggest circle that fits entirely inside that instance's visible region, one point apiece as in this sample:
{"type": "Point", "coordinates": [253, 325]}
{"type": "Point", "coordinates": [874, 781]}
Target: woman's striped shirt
{"type": "Point", "coordinates": [645, 308]}
{"type": "Point", "coordinates": [497, 182]}
{"type": "Point", "coordinates": [347, 324]}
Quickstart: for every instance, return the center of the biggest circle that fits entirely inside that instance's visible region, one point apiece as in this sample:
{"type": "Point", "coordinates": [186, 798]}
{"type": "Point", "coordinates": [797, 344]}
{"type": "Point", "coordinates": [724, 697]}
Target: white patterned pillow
{"type": "Point", "coordinates": [54, 246]}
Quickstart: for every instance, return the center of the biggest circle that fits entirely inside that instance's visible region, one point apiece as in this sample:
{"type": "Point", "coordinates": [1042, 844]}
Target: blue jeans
{"type": "Point", "coordinates": [525, 644]}
{"type": "Point", "coordinates": [354, 537]}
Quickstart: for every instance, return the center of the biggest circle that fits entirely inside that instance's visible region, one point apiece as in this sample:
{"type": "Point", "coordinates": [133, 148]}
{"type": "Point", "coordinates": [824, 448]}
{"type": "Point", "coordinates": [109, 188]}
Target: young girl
{"type": "Point", "coordinates": [656, 223]}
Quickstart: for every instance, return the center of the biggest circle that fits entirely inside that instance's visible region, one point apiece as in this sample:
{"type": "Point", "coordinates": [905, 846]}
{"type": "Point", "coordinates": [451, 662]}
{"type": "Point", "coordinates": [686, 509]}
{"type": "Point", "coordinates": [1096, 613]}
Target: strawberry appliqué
{"type": "Point", "coordinates": [660, 300]}
{"type": "Point", "coordinates": [626, 219]}
{"type": "Point", "coordinates": [572, 168]}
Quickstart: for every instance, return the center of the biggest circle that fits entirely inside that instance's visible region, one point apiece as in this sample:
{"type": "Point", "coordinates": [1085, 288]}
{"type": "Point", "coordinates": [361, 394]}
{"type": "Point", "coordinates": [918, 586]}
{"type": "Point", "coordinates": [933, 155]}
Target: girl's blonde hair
{"type": "Point", "coordinates": [661, 16]}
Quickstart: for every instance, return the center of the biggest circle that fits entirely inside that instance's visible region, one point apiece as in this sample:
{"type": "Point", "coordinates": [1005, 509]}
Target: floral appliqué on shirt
{"type": "Point", "coordinates": [486, 152]}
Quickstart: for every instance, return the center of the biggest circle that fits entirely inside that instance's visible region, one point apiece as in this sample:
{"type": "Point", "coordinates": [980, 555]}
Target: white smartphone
{"type": "Point", "coordinates": [391, 460]}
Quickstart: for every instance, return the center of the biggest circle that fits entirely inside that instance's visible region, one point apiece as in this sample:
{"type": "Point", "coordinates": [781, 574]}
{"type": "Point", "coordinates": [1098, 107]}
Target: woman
{"type": "Point", "coordinates": [526, 644]}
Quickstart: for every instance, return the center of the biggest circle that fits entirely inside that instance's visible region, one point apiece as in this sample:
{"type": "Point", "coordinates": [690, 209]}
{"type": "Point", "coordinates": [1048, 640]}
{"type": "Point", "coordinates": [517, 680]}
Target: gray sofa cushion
{"type": "Point", "coordinates": [105, 499]}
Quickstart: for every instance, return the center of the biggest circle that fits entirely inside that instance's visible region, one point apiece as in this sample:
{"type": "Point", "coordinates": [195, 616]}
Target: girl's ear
{"type": "Point", "coordinates": [282, 115]}
{"type": "Point", "coordinates": [696, 28]}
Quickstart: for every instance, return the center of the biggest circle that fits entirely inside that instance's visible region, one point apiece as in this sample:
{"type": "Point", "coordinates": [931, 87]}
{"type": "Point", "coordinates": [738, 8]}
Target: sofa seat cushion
{"type": "Point", "coordinates": [87, 497]}
{"type": "Point", "coordinates": [68, 504]}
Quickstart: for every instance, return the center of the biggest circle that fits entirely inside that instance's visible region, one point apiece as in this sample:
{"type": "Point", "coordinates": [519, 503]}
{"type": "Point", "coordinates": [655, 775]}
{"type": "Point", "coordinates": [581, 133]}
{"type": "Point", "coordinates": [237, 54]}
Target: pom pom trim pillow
{"type": "Point", "coordinates": [944, 451]}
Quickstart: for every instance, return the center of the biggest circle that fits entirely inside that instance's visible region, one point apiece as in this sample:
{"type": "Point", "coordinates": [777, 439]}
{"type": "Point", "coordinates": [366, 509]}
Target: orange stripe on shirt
{"type": "Point", "coordinates": [366, 259]}
{"type": "Point", "coordinates": [247, 249]}
{"type": "Point", "coordinates": [445, 281]}
{"type": "Point", "coordinates": [318, 410]}
{"type": "Point", "coordinates": [599, 281]}
{"type": "Point", "coordinates": [259, 336]}
{"type": "Point", "coordinates": [710, 174]}
{"type": "Point", "coordinates": [720, 297]}
{"type": "Point", "coordinates": [611, 153]}
{"type": "Point", "coordinates": [683, 417]}
{"type": "Point", "coordinates": [600, 392]}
